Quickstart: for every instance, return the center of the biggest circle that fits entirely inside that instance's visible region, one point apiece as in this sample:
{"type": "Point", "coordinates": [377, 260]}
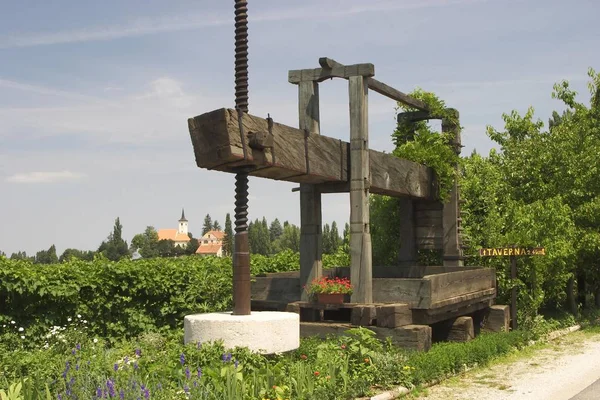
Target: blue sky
{"type": "Point", "coordinates": [95, 96]}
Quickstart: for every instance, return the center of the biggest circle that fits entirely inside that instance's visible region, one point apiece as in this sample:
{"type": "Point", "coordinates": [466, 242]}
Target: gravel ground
{"type": "Point", "coordinates": [556, 372]}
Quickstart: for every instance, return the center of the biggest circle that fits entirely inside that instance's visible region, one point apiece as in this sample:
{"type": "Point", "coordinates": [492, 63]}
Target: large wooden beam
{"type": "Point", "coordinates": [298, 157]}
{"type": "Point", "coordinates": [311, 237]}
{"type": "Point", "coordinates": [361, 260]}
{"type": "Point", "coordinates": [333, 69]}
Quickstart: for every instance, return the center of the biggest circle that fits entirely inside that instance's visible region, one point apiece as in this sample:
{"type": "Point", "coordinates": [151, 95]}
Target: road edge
{"type": "Point", "coordinates": [401, 391]}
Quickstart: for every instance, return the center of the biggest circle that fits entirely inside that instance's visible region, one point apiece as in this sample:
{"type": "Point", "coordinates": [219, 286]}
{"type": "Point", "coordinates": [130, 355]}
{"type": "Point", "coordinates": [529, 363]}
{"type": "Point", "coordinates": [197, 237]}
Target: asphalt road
{"type": "Point", "coordinates": [592, 392]}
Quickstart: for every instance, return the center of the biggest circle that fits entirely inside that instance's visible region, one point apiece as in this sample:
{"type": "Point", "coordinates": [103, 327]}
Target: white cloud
{"type": "Point", "coordinates": [147, 26]}
{"type": "Point", "coordinates": [45, 177]}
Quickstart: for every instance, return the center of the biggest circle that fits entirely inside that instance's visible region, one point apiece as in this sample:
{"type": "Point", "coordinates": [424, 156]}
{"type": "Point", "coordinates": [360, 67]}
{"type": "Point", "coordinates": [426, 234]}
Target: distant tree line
{"type": "Point", "coordinates": [264, 238]}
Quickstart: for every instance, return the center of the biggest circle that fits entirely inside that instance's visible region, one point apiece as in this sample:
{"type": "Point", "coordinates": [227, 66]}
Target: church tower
{"type": "Point", "coordinates": [183, 224]}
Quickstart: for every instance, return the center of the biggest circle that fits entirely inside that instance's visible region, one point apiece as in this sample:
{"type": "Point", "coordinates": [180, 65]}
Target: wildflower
{"type": "Point", "coordinates": [138, 352]}
{"type": "Point", "coordinates": [158, 386]}
{"type": "Point", "coordinates": [226, 357]}
{"type": "Point", "coordinates": [126, 360]}
{"type": "Point", "coordinates": [198, 345]}
{"type": "Point", "coordinates": [317, 373]}
{"type": "Point", "coordinates": [235, 363]}
{"type": "Point", "coordinates": [69, 319]}
{"type": "Point", "coordinates": [76, 367]}
{"type": "Point", "coordinates": [187, 372]}
{"type": "Point", "coordinates": [199, 372]}
{"type": "Point", "coordinates": [22, 337]}
{"type": "Point", "coordinates": [186, 389]}
{"type": "Point", "coordinates": [99, 392]}
{"type": "Point", "coordinates": [343, 346]}
{"type": "Point", "coordinates": [116, 367]}
{"type": "Point", "coordinates": [13, 322]}
{"type": "Point", "coordinates": [95, 340]}
{"type": "Point", "coordinates": [78, 346]}
{"type": "Point", "coordinates": [111, 388]}
{"type": "Point", "coordinates": [21, 329]}
{"type": "Point", "coordinates": [135, 365]}
{"type": "Point", "coordinates": [73, 351]}
{"type": "Point", "coordinates": [303, 356]}
{"type": "Point", "coordinates": [146, 393]}
{"type": "Point", "coordinates": [182, 358]}
{"type": "Point", "coordinates": [121, 394]}
{"type": "Point", "coordinates": [367, 360]}
{"type": "Point", "coordinates": [59, 396]}
{"type": "Point", "coordinates": [78, 315]}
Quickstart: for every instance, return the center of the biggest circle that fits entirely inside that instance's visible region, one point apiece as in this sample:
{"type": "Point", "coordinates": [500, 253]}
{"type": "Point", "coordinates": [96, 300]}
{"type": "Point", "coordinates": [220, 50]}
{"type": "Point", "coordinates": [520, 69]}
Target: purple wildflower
{"type": "Point", "coordinates": [199, 372]}
{"type": "Point", "coordinates": [99, 392]}
{"type": "Point", "coordinates": [126, 360]}
{"type": "Point", "coordinates": [76, 367]}
{"type": "Point", "coordinates": [158, 386]}
{"type": "Point", "coordinates": [116, 367]}
{"type": "Point", "coordinates": [187, 372]}
{"type": "Point", "coordinates": [226, 357]}
{"type": "Point", "coordinates": [236, 363]}
{"type": "Point", "coordinates": [111, 388]}
{"type": "Point", "coordinates": [78, 346]}
{"type": "Point", "coordinates": [59, 396]}
{"type": "Point", "coordinates": [186, 389]}
{"type": "Point", "coordinates": [135, 365]}
{"type": "Point", "coordinates": [146, 393]}
{"type": "Point", "coordinates": [182, 358]}
{"type": "Point", "coordinates": [68, 392]}
{"type": "Point", "coordinates": [138, 352]}
{"type": "Point", "coordinates": [121, 394]}
{"type": "Point", "coordinates": [199, 344]}
{"type": "Point", "coordinates": [73, 351]}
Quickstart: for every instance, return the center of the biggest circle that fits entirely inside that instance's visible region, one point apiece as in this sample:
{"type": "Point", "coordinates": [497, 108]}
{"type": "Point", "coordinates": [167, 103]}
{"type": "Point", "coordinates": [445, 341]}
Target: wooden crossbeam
{"type": "Point", "coordinates": [333, 69]}
{"type": "Point", "coordinates": [299, 157]}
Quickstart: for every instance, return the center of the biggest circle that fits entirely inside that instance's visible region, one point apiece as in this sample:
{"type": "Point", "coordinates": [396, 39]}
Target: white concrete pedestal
{"type": "Point", "coordinates": [265, 332]}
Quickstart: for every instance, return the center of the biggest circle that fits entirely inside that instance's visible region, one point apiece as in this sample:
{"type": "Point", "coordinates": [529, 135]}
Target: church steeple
{"type": "Point", "coordinates": [183, 224]}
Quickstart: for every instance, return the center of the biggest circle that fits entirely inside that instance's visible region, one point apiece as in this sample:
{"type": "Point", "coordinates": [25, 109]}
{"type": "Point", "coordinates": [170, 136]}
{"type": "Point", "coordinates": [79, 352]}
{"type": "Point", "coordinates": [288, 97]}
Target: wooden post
{"type": "Point", "coordinates": [360, 236]}
{"type": "Point", "coordinates": [513, 295]}
{"type": "Point", "coordinates": [453, 256]}
{"type": "Point", "coordinates": [311, 237]}
{"type": "Point", "coordinates": [407, 254]}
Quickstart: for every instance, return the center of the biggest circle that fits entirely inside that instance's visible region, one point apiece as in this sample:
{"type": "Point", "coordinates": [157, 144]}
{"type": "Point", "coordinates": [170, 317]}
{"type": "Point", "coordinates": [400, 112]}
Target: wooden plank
{"type": "Point", "coordinates": [462, 330]}
{"type": "Point", "coordinates": [407, 254]}
{"type": "Point", "coordinates": [414, 292]}
{"type": "Point", "coordinates": [361, 268]}
{"type": "Point", "coordinates": [432, 316]}
{"type": "Point", "coordinates": [450, 285]}
{"type": "Point", "coordinates": [311, 237]}
{"type": "Point", "coordinates": [393, 315]}
{"type": "Point", "coordinates": [217, 145]}
{"type": "Point", "coordinates": [380, 87]}
{"type": "Point", "coordinates": [321, 74]}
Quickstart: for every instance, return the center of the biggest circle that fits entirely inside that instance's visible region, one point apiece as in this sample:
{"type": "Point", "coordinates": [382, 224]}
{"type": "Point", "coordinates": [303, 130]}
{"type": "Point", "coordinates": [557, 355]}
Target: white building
{"type": "Point", "coordinates": [179, 235]}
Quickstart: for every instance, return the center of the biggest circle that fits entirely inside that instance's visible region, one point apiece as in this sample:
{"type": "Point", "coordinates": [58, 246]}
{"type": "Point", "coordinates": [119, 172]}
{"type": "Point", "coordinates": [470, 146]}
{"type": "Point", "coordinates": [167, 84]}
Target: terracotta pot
{"type": "Point", "coordinates": [330, 298]}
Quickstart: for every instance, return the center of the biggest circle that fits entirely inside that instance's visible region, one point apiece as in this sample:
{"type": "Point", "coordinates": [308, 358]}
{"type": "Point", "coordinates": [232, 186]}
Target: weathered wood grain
{"type": "Point", "coordinates": [380, 87]}
{"type": "Point", "coordinates": [338, 71]}
{"type": "Point", "coordinates": [361, 261]}
{"type": "Point", "coordinates": [217, 145]}
{"type": "Point", "coordinates": [311, 238]}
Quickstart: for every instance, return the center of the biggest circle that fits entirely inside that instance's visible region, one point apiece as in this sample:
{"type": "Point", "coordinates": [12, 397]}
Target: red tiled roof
{"type": "Point", "coordinates": [208, 249]}
{"type": "Point", "coordinates": [172, 234]}
{"type": "Point", "coordinates": [216, 234]}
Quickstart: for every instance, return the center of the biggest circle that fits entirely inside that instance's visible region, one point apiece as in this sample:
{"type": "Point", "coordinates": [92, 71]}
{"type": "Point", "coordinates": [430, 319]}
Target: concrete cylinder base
{"type": "Point", "coordinates": [264, 332]}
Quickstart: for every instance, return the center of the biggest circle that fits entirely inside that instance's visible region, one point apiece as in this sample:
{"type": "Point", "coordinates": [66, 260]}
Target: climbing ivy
{"type": "Point", "coordinates": [420, 143]}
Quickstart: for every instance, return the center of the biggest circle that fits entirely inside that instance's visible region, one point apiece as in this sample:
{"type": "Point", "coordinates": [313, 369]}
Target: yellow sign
{"type": "Point", "coordinates": [513, 251]}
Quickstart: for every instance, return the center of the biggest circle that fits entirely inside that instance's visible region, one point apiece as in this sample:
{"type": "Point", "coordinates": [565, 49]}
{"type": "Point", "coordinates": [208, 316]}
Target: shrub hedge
{"type": "Point", "coordinates": [124, 298]}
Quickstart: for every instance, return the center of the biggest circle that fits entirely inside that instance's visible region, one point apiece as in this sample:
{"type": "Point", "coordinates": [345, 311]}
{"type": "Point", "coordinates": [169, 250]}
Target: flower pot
{"type": "Point", "coordinates": [330, 298]}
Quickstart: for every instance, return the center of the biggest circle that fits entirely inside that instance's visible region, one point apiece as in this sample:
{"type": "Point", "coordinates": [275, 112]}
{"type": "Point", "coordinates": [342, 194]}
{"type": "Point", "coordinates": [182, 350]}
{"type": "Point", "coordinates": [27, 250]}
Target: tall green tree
{"type": "Point", "coordinates": [47, 256]}
{"type": "Point", "coordinates": [326, 238]}
{"type": "Point", "coordinates": [192, 245]}
{"type": "Point", "coordinates": [114, 247]}
{"type": "Point", "coordinates": [336, 241]}
{"type": "Point", "coordinates": [216, 226]}
{"type": "Point", "coordinates": [275, 230]}
{"type": "Point", "coordinates": [208, 225]}
{"type": "Point", "coordinates": [228, 239]}
{"type": "Point", "coordinates": [146, 243]}
{"type": "Point", "coordinates": [290, 238]}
